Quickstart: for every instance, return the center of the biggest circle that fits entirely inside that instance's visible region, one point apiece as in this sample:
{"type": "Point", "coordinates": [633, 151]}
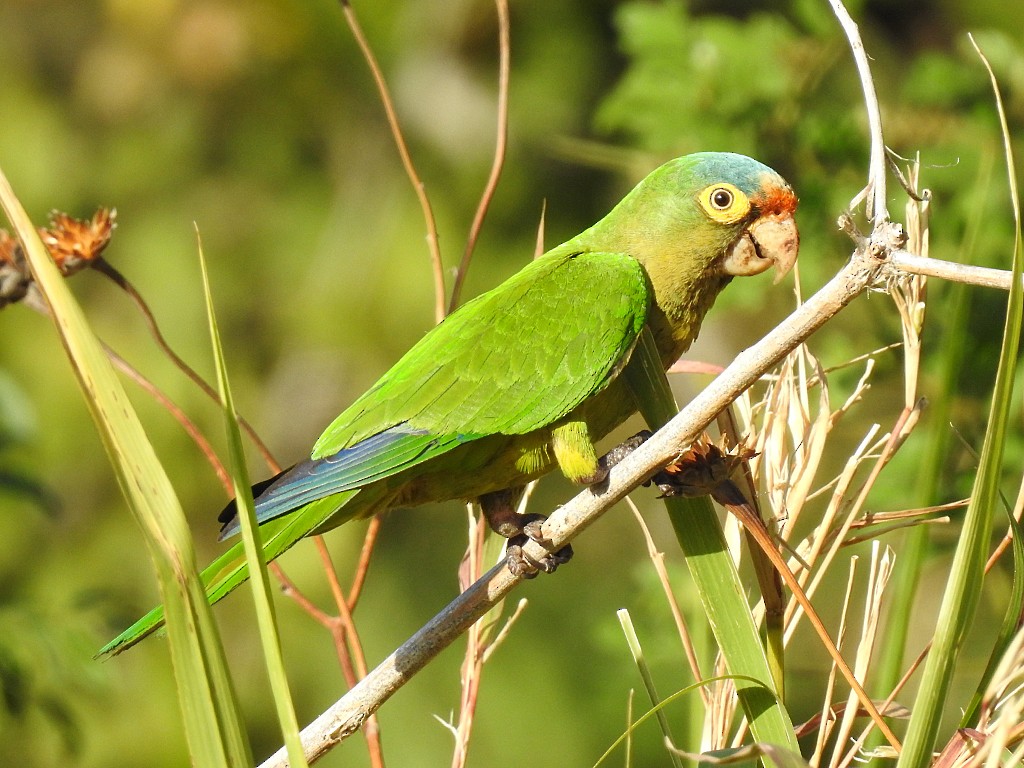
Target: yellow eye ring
{"type": "Point", "coordinates": [724, 203]}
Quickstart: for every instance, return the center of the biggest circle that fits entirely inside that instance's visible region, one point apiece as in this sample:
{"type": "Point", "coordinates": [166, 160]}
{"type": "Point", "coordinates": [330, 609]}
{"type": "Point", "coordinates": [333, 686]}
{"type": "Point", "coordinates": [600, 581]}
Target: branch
{"type": "Point", "coordinates": [874, 193]}
{"type": "Point", "coordinates": [347, 715]}
{"type": "Point", "coordinates": [950, 270]}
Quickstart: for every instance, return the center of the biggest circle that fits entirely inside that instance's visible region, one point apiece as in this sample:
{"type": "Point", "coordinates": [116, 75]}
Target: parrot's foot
{"type": "Point", "coordinates": [615, 455]}
{"type": "Point", "coordinates": [626, 447]}
{"type": "Point", "coordinates": [499, 508]}
{"type": "Point", "coordinates": [520, 564]}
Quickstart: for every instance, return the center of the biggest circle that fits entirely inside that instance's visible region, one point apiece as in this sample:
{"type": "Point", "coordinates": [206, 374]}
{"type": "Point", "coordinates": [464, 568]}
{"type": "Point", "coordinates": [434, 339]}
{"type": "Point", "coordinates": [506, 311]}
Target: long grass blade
{"type": "Point", "coordinates": [1007, 629]}
{"type": "Point", "coordinates": [645, 674]}
{"type": "Point", "coordinates": [259, 579]}
{"type": "Point", "coordinates": [700, 537]}
{"type": "Point", "coordinates": [914, 551]}
{"type": "Point", "coordinates": [212, 723]}
{"type": "Point", "coordinates": [963, 589]}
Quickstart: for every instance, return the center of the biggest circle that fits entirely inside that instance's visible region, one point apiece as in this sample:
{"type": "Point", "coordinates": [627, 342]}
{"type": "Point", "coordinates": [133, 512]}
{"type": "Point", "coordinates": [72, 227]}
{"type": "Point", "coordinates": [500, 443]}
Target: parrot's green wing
{"type": "Point", "coordinates": [513, 360]}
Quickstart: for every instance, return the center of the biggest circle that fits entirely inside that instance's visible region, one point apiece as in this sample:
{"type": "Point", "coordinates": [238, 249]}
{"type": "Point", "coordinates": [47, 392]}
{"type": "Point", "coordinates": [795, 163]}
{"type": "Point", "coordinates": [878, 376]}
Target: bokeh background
{"type": "Point", "coordinates": [258, 123]}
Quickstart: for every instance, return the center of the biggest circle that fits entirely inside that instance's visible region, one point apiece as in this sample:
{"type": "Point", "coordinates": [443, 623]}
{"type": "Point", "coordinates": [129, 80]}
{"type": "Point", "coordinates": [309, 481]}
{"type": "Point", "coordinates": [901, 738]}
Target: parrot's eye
{"type": "Point", "coordinates": [721, 198]}
{"type": "Point", "coordinates": [724, 203]}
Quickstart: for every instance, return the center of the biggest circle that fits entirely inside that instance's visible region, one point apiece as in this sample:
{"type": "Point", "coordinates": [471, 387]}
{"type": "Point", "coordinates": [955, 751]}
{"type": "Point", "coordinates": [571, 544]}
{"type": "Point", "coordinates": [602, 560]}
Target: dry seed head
{"type": "Point", "coordinates": [75, 243]}
{"type": "Point", "coordinates": [72, 243]}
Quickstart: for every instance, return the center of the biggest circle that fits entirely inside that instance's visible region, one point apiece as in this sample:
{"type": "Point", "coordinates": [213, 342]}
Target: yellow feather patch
{"type": "Point", "coordinates": [574, 451]}
{"type": "Point", "coordinates": [534, 458]}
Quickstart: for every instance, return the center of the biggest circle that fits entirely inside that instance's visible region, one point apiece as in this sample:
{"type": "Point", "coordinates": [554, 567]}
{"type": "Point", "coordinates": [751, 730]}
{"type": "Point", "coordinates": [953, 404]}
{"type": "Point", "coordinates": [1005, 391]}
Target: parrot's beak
{"type": "Point", "coordinates": [771, 240]}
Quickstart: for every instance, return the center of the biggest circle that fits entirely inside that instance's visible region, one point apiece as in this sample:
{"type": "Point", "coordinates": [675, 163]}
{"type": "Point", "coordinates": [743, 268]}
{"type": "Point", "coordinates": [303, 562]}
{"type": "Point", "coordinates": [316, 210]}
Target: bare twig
{"type": "Point", "coordinates": [105, 268]}
{"type": "Point", "coordinates": [177, 414]}
{"type": "Point", "coordinates": [348, 643]}
{"type": "Point", "coordinates": [471, 671]}
{"type": "Point", "coordinates": [499, 153]}
{"type": "Point", "coordinates": [874, 193]}
{"type": "Point", "coordinates": [363, 566]}
{"type": "Point", "coordinates": [403, 151]}
{"type": "Point", "coordinates": [986, 277]}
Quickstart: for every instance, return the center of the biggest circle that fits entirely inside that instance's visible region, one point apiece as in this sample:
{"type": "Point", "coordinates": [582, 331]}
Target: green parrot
{"type": "Point", "coordinates": [525, 377]}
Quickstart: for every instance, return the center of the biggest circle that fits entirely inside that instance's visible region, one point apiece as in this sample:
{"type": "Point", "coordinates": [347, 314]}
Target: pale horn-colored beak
{"type": "Point", "coordinates": [769, 240]}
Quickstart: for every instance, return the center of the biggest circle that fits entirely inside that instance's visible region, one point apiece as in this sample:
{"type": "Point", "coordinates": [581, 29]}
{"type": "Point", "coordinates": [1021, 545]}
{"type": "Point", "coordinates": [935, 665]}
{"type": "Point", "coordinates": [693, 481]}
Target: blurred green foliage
{"type": "Point", "coordinates": [259, 122]}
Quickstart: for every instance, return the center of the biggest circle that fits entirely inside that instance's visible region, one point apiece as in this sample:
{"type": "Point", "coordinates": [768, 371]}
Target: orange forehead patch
{"type": "Point", "coordinates": [774, 199]}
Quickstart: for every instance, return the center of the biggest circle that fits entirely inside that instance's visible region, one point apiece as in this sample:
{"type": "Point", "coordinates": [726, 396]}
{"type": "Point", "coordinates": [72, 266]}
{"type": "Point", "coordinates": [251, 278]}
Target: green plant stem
{"type": "Point", "coordinates": [213, 726]}
{"type": "Point", "coordinates": [645, 674]}
{"type": "Point", "coordinates": [700, 536]}
{"type": "Point", "coordinates": [259, 578]}
{"type": "Point", "coordinates": [963, 589]}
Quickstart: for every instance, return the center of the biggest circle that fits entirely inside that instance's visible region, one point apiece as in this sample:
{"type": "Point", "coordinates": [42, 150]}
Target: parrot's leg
{"type": "Point", "coordinates": [613, 457]}
{"type": "Point", "coordinates": [499, 508]}
{"type": "Point", "coordinates": [576, 455]}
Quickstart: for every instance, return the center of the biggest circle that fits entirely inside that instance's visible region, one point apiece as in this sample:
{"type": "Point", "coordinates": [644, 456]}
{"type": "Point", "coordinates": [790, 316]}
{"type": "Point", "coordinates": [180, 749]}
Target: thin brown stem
{"type": "Point", "coordinates": [363, 565]}
{"type": "Point", "coordinates": [294, 593]}
{"type": "Point", "coordinates": [730, 497]}
{"type": "Point", "coordinates": [350, 650]}
{"type": "Point", "coordinates": [178, 415]}
{"type": "Point", "coordinates": [403, 151]}
{"type": "Point", "coordinates": [332, 578]}
{"type": "Point", "coordinates": [476, 642]}
{"type": "Point", "coordinates": [498, 163]}
{"type": "Point", "coordinates": [346, 641]}
{"type": "Point", "coordinates": [162, 399]}
{"type": "Point", "coordinates": [108, 270]}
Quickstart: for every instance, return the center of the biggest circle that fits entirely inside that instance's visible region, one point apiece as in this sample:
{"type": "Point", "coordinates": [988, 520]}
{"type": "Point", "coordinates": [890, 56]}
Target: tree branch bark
{"type": "Point", "coordinates": [950, 270]}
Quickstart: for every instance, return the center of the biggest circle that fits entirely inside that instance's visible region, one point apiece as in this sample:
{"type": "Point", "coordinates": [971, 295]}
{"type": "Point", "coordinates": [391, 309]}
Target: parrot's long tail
{"type": "Point", "coordinates": [230, 569]}
{"type": "Point", "coordinates": [228, 517]}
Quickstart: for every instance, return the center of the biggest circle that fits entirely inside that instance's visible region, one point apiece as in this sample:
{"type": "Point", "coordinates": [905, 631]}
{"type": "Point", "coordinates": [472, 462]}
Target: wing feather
{"type": "Point", "coordinates": [513, 360]}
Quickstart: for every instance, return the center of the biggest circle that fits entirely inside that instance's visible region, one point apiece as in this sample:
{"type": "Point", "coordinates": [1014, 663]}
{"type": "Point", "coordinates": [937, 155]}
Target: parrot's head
{"type": "Point", "coordinates": [697, 222]}
{"type": "Point", "coordinates": [717, 213]}
{"type": "Point", "coordinates": [747, 209]}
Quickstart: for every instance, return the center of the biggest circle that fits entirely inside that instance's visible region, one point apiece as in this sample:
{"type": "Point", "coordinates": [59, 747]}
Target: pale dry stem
{"type": "Point", "coordinates": [812, 548]}
{"type": "Point", "coordinates": [828, 720]}
{"type": "Point", "coordinates": [874, 194]}
{"type": "Point", "coordinates": [472, 663]}
{"type": "Point", "coordinates": [658, 561]}
{"type": "Point", "coordinates": [1002, 711]}
{"type": "Point", "coordinates": [484, 636]}
{"type": "Point", "coordinates": [879, 571]}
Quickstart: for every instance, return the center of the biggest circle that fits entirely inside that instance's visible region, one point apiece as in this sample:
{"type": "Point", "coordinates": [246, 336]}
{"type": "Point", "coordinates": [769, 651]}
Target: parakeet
{"type": "Point", "coordinates": [526, 377]}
